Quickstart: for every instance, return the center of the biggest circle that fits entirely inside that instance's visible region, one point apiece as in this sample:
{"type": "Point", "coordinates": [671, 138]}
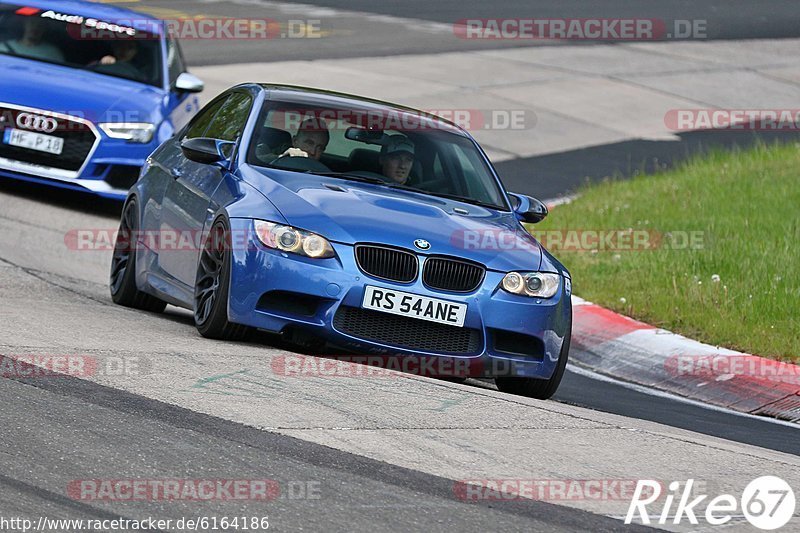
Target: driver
{"type": "Point", "coordinates": [311, 139]}
{"type": "Point", "coordinates": [120, 61]}
{"type": "Point", "coordinates": [397, 158]}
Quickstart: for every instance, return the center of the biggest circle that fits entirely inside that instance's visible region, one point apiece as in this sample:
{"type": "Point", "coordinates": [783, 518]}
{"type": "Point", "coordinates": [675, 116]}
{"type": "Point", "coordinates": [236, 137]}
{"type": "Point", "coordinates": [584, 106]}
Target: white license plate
{"type": "Point", "coordinates": [414, 306]}
{"type": "Point", "coordinates": [34, 141]}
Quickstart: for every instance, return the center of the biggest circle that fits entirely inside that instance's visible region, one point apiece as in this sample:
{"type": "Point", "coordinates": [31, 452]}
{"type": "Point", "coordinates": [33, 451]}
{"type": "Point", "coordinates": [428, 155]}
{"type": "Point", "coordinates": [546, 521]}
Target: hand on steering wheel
{"type": "Point", "coordinates": [293, 152]}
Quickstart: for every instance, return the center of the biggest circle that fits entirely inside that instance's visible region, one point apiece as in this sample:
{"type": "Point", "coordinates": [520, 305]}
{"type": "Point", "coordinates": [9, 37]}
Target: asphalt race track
{"type": "Point", "coordinates": [349, 454]}
{"type": "Point", "coordinates": [376, 454]}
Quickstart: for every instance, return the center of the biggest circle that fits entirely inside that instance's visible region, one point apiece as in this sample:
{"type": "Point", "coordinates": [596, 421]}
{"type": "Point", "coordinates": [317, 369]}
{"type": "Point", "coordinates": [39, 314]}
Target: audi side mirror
{"type": "Point", "coordinates": [189, 83]}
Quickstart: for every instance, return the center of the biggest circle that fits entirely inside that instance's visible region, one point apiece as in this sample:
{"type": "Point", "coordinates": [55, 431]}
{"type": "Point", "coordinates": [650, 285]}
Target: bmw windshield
{"type": "Point", "coordinates": [73, 40]}
{"type": "Point", "coordinates": [387, 147]}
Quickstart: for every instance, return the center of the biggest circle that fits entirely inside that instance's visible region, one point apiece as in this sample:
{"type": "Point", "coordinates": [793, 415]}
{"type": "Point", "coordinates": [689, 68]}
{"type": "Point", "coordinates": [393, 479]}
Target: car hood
{"type": "Point", "coordinates": [352, 212]}
{"type": "Point", "coordinates": [69, 91]}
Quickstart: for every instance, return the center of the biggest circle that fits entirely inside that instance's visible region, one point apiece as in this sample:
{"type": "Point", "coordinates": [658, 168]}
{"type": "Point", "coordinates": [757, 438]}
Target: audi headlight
{"type": "Point", "coordinates": [136, 132]}
{"type": "Point", "coordinates": [289, 239]}
{"type": "Point", "coordinates": [533, 284]}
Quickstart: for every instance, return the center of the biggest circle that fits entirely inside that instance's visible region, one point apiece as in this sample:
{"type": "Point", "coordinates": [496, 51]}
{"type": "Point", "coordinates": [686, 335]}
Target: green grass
{"type": "Point", "coordinates": [747, 206]}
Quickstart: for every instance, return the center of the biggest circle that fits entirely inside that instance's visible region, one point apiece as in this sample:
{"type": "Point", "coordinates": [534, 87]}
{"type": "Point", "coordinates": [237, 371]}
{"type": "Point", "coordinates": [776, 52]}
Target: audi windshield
{"type": "Point", "coordinates": [400, 149]}
{"type": "Point", "coordinates": [72, 40]}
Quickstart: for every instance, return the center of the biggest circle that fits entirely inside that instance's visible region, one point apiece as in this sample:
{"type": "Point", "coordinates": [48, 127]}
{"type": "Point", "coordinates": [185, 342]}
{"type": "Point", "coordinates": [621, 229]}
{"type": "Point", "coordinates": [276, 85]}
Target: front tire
{"type": "Point", "coordinates": [541, 389]}
{"type": "Point", "coordinates": [122, 281]}
{"type": "Point", "coordinates": [213, 286]}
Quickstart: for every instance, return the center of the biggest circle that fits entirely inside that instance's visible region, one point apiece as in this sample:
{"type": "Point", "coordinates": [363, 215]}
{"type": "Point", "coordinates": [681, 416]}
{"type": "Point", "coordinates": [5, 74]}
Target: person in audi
{"type": "Point", "coordinates": [32, 43]}
{"type": "Point", "coordinates": [121, 61]}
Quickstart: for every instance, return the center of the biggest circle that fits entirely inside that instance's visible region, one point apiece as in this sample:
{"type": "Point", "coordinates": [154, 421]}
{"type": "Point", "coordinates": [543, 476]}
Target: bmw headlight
{"type": "Point", "coordinates": [289, 239]}
{"type": "Point", "coordinates": [533, 284]}
{"type": "Point", "coordinates": [136, 132]}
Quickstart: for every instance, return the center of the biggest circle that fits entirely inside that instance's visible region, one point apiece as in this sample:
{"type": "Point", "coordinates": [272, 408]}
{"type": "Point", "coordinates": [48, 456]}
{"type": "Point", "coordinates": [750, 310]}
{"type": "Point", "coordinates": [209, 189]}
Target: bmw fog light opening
{"type": "Point", "coordinates": [289, 239]}
{"type": "Point", "coordinates": [136, 132]}
{"type": "Point", "coordinates": [533, 284]}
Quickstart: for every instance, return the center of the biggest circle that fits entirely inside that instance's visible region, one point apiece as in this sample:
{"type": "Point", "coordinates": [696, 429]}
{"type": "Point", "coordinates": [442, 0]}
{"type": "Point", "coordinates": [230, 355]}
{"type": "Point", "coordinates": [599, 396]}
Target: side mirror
{"type": "Point", "coordinates": [207, 151]}
{"type": "Point", "coordinates": [528, 209]}
{"type": "Point", "coordinates": [189, 83]}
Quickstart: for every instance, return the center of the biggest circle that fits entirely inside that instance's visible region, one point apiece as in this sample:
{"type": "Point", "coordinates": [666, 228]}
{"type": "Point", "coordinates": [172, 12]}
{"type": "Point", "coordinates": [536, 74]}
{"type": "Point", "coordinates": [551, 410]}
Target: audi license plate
{"type": "Point", "coordinates": [34, 141]}
{"type": "Point", "coordinates": [414, 306]}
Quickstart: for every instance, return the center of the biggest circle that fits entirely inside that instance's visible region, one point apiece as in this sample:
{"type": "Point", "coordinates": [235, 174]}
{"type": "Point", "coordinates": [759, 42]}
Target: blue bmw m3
{"type": "Point", "coordinates": [363, 225]}
{"type": "Point", "coordinates": [87, 92]}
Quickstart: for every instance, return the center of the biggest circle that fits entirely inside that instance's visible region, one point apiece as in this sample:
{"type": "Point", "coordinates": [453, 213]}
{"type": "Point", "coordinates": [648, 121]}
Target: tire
{"type": "Point", "coordinates": [122, 279]}
{"type": "Point", "coordinates": [541, 389]}
{"type": "Point", "coordinates": [212, 286]}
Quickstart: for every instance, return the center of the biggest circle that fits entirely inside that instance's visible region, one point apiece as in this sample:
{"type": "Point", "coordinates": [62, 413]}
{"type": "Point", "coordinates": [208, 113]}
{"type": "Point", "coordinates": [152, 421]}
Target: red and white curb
{"type": "Point", "coordinates": [561, 200]}
{"type": "Point", "coordinates": [614, 345]}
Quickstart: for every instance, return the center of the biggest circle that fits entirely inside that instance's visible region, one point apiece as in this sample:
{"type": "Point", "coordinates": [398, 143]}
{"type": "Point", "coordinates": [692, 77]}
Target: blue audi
{"type": "Point", "coordinates": [336, 219]}
{"type": "Point", "coordinates": [87, 92]}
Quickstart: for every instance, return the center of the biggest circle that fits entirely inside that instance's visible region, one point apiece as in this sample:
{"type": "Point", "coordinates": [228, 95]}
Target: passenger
{"type": "Point", "coordinates": [32, 43]}
{"type": "Point", "coordinates": [397, 158]}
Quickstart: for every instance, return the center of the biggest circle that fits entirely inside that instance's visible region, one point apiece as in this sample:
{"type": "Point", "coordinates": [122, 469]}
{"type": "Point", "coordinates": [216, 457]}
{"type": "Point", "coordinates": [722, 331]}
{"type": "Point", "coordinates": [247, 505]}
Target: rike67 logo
{"type": "Point", "coordinates": [767, 502]}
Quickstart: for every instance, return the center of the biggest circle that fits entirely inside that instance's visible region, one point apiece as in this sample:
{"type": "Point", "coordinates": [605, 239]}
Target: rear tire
{"type": "Point", "coordinates": [213, 286]}
{"type": "Point", "coordinates": [541, 389]}
{"type": "Point", "coordinates": [122, 281]}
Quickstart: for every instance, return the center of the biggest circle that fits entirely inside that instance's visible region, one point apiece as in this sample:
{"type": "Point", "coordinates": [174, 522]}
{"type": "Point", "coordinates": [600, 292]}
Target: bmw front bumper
{"type": "Point", "coordinates": [503, 334]}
